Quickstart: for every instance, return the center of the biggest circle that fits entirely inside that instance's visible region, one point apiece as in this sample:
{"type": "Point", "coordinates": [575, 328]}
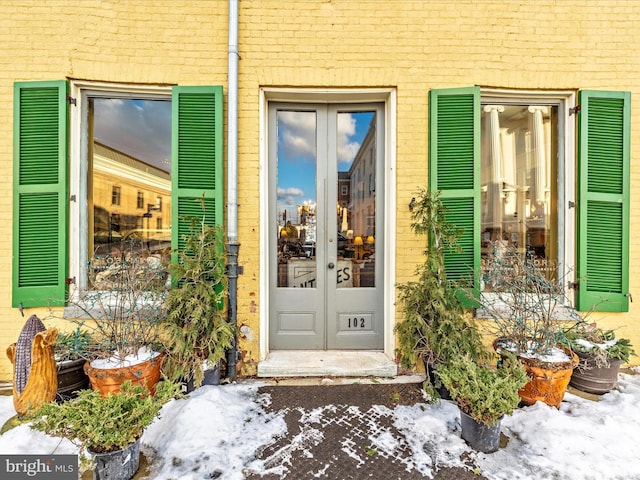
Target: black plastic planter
{"type": "Point", "coordinates": [119, 465]}
{"type": "Point", "coordinates": [211, 377]}
{"type": "Point", "coordinates": [480, 437]}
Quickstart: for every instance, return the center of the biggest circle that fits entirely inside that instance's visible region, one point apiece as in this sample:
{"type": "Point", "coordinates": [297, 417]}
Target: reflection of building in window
{"type": "Point", "coordinates": [343, 188]}
{"type": "Point", "coordinates": [517, 150]}
{"type": "Point", "coordinates": [115, 195]}
{"type": "Point", "coordinates": [136, 181]}
{"type": "Point", "coordinates": [362, 200]}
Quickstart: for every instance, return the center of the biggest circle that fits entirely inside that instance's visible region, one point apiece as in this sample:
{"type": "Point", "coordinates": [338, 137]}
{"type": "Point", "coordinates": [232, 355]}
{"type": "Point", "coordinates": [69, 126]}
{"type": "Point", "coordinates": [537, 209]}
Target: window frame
{"type": "Point", "coordinates": [79, 149]}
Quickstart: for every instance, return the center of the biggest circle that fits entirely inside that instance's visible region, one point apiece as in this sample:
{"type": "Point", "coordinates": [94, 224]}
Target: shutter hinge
{"type": "Point", "coordinates": [71, 100]}
{"type": "Point", "coordinates": [572, 204]}
{"type": "Point", "coordinates": [72, 198]}
{"type": "Point", "coordinates": [575, 285]}
{"type": "Point", "coordinates": [70, 281]}
{"type": "Point", "coordinates": [575, 109]}
{"type": "Point", "coordinates": [628, 294]}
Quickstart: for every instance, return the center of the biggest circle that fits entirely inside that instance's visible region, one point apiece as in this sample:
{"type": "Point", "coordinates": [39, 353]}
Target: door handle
{"type": "Point", "coordinates": [331, 265]}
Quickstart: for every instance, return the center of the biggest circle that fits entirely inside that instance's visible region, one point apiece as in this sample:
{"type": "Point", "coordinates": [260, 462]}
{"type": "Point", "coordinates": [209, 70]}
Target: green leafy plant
{"type": "Point", "coordinates": [195, 325]}
{"type": "Point", "coordinates": [73, 345]}
{"type": "Point", "coordinates": [104, 424]}
{"type": "Point", "coordinates": [483, 392]}
{"type": "Point", "coordinates": [601, 345]}
{"type": "Point", "coordinates": [436, 328]}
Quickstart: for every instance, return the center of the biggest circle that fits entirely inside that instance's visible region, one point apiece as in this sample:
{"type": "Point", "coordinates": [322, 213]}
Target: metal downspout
{"type": "Point", "coordinates": [232, 186]}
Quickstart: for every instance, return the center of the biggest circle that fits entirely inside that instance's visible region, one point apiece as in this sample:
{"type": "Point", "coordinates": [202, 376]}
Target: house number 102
{"type": "Point", "coordinates": [355, 323]}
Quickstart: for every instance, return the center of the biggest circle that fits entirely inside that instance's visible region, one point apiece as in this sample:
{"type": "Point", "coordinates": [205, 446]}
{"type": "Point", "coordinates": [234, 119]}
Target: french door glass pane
{"type": "Point", "coordinates": [356, 204]}
{"type": "Point", "coordinates": [296, 198]}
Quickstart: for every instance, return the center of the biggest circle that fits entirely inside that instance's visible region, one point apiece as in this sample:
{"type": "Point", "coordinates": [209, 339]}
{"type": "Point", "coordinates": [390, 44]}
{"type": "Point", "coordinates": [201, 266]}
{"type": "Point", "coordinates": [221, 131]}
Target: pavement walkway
{"type": "Point", "coordinates": [338, 446]}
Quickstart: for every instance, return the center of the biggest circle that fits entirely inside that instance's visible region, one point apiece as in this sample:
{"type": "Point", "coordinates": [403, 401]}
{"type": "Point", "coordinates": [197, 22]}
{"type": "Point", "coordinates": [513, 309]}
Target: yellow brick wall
{"type": "Point", "coordinates": [413, 46]}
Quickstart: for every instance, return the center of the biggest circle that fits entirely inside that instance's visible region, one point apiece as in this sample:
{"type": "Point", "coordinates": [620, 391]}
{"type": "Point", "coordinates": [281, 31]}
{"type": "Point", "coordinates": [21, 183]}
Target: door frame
{"type": "Point", "coordinates": [387, 96]}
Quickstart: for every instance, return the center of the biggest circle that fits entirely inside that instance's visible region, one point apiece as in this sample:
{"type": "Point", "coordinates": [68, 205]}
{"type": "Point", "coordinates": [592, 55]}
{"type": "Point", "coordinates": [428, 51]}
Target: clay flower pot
{"type": "Point", "coordinates": [107, 380]}
{"type": "Point", "coordinates": [549, 380]}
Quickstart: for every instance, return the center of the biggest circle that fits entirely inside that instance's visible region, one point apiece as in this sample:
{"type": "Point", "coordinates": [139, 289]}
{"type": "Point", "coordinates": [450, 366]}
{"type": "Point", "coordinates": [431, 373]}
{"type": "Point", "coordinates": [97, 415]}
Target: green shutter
{"type": "Point", "coordinates": [197, 156]}
{"type": "Point", "coordinates": [603, 201]}
{"type": "Point", "coordinates": [454, 155]}
{"type": "Point", "coordinates": [40, 196]}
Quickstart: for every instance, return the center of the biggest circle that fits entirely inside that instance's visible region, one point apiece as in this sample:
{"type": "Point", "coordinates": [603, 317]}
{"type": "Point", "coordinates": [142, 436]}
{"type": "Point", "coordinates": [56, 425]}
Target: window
{"type": "Point", "coordinates": [129, 139]}
{"type": "Point", "coordinates": [140, 201]}
{"type": "Point", "coordinates": [519, 180]}
{"type": "Point", "coordinates": [506, 169]}
{"type": "Point", "coordinates": [57, 164]}
{"type": "Point", "coordinates": [115, 195]}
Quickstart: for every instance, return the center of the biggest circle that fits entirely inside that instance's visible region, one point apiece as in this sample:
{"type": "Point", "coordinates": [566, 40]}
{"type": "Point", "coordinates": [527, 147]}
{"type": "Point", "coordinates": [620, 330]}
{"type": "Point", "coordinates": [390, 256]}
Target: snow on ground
{"type": "Point", "coordinates": [220, 428]}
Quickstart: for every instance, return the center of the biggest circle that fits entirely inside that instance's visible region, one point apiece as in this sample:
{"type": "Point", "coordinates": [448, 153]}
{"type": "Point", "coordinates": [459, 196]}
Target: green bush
{"type": "Point", "coordinates": [601, 344]}
{"type": "Point", "coordinates": [436, 327]}
{"type": "Point", "coordinates": [104, 424]}
{"type": "Point", "coordinates": [196, 327]}
{"type": "Point", "coordinates": [483, 392]}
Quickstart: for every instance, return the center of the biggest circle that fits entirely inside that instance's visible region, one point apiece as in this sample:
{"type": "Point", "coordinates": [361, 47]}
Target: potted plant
{"type": "Point", "coordinates": [197, 333]}
{"type": "Point", "coordinates": [529, 310]}
{"type": "Point", "coordinates": [123, 307]}
{"type": "Point", "coordinates": [107, 427]}
{"type": "Point", "coordinates": [70, 352]}
{"type": "Point", "coordinates": [436, 327]}
{"type": "Point", "coordinates": [601, 354]}
{"type": "Point", "coordinates": [484, 395]}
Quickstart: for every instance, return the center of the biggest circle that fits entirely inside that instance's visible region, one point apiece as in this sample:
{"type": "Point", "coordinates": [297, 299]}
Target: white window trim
{"type": "Point", "coordinates": [565, 100]}
{"type": "Point", "coordinates": [81, 91]}
{"type": "Point", "coordinates": [344, 96]}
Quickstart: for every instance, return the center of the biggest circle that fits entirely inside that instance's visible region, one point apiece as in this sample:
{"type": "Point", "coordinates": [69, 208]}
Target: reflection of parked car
{"type": "Point", "coordinates": [344, 250]}
{"type": "Point", "coordinates": [137, 239]}
{"type": "Point", "coordinates": [309, 249]}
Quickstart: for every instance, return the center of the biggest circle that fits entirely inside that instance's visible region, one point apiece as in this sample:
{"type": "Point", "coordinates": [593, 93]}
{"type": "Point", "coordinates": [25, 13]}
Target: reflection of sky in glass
{"type": "Point", "coordinates": [297, 154]}
{"type": "Point", "coordinates": [139, 128]}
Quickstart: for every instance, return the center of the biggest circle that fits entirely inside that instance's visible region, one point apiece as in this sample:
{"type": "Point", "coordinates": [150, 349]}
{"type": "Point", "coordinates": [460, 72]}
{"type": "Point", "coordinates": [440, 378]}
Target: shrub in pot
{"type": "Point", "coordinates": [529, 311]}
{"type": "Point", "coordinates": [436, 327]}
{"type": "Point", "coordinates": [484, 395]}
{"type": "Point", "coordinates": [107, 427]}
{"type": "Point", "coordinates": [601, 354]}
{"type": "Point", "coordinates": [197, 333]}
{"type": "Point", "coordinates": [122, 307]}
{"type": "Point", "coordinates": [70, 352]}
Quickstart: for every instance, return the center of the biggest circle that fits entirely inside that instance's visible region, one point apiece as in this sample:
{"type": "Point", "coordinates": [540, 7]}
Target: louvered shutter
{"type": "Point", "coordinates": [603, 201]}
{"type": "Point", "coordinates": [197, 156]}
{"type": "Point", "coordinates": [40, 194]}
{"type": "Point", "coordinates": [454, 153]}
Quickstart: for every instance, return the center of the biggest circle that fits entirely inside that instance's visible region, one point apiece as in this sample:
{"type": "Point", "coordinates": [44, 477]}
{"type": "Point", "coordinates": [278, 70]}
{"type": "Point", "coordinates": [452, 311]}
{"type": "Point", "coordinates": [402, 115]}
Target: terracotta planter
{"type": "Point", "coordinates": [589, 377]}
{"type": "Point", "coordinates": [108, 380]}
{"type": "Point", "coordinates": [71, 378]}
{"type": "Point", "coordinates": [548, 382]}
